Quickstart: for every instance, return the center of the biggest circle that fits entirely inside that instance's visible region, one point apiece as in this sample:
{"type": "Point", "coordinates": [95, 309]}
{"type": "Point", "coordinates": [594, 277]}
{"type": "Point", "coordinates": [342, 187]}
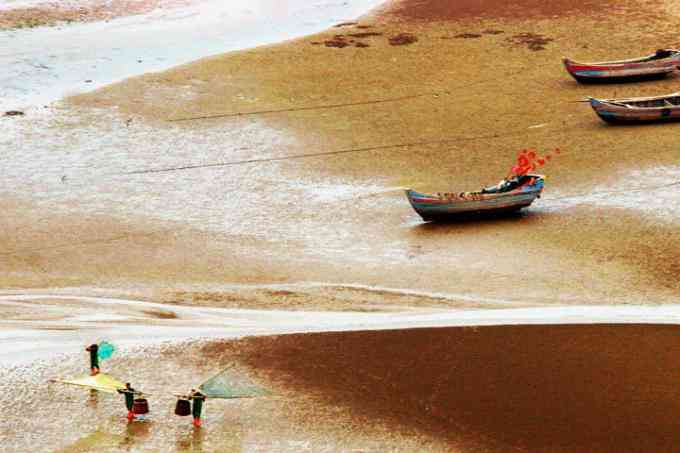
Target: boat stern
{"type": "Point", "coordinates": [418, 199]}
{"type": "Point", "coordinates": [569, 66]}
{"type": "Point", "coordinates": [424, 205]}
{"type": "Point", "coordinates": [605, 111]}
{"type": "Point", "coordinates": [596, 104]}
{"type": "Point", "coordinates": [539, 182]}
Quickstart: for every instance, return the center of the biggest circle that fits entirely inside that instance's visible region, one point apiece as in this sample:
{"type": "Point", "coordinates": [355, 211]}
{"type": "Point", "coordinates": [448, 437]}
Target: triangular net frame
{"type": "Point", "coordinates": [231, 383]}
{"type": "Point", "coordinates": [101, 381]}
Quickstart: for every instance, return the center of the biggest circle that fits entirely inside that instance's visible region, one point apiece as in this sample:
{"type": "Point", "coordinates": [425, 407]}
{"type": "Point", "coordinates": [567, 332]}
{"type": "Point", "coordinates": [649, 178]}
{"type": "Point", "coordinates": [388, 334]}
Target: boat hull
{"type": "Point", "coordinates": [451, 206]}
{"type": "Point", "coordinates": [618, 114]}
{"type": "Point", "coordinates": [621, 72]}
{"type": "Point", "coordinates": [587, 80]}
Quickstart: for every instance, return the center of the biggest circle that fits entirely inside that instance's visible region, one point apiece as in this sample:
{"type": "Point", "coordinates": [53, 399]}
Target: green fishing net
{"type": "Point", "coordinates": [231, 383]}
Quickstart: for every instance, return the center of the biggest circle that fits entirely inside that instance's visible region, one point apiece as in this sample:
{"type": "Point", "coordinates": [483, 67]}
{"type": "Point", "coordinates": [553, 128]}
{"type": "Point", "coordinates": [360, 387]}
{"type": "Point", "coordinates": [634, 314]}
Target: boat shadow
{"type": "Point", "coordinates": [618, 124]}
{"type": "Point", "coordinates": [479, 221]}
{"type": "Point", "coordinates": [649, 80]}
{"type": "Point", "coordinates": [625, 80]}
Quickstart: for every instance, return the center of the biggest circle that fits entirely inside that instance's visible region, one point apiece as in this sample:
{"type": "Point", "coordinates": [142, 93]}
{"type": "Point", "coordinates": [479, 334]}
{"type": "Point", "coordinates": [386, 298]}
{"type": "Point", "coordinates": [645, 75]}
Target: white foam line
{"type": "Point", "coordinates": [667, 314]}
{"type": "Point", "coordinates": [412, 292]}
{"type": "Point", "coordinates": [453, 297]}
{"type": "Point", "coordinates": [27, 340]}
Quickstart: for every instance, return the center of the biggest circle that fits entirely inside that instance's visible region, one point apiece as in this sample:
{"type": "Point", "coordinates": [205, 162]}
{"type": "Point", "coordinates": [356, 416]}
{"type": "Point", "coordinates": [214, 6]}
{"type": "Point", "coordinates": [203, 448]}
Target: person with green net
{"type": "Point", "coordinates": [197, 399]}
{"type": "Point", "coordinates": [93, 349]}
{"type": "Point", "coordinates": [129, 394]}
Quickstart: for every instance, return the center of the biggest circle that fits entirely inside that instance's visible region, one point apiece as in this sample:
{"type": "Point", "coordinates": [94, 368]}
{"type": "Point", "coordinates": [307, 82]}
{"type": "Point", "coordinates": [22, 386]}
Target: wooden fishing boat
{"type": "Point", "coordinates": [658, 65]}
{"type": "Point", "coordinates": [507, 196]}
{"type": "Point", "coordinates": [638, 110]}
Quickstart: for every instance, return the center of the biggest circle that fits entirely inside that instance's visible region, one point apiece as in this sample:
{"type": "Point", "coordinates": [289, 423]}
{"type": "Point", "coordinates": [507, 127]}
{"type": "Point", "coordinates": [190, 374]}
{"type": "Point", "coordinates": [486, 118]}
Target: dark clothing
{"type": "Point", "coordinates": [197, 399]}
{"type": "Point", "coordinates": [129, 394]}
{"type": "Point", "coordinates": [663, 53]}
{"type": "Point", "coordinates": [93, 349]}
{"type": "Point", "coordinates": [507, 184]}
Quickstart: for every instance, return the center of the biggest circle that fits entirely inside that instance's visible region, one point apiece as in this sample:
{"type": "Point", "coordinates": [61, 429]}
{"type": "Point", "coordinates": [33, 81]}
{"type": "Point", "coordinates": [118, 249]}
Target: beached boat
{"type": "Point", "coordinates": [657, 65]}
{"type": "Point", "coordinates": [638, 110]}
{"type": "Point", "coordinates": [507, 196]}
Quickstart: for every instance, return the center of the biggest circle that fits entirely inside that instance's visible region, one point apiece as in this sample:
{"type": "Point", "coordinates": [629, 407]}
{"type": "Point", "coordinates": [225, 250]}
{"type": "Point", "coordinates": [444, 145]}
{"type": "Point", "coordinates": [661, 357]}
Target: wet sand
{"type": "Point", "coordinates": [533, 388]}
{"type": "Point", "coordinates": [520, 388]}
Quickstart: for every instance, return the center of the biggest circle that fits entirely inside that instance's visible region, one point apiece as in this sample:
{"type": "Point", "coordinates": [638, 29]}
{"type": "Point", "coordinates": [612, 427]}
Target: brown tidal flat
{"type": "Point", "coordinates": [431, 94]}
{"type": "Point", "coordinates": [525, 388]}
{"type": "Point", "coordinates": [434, 10]}
{"type": "Point", "coordinates": [49, 250]}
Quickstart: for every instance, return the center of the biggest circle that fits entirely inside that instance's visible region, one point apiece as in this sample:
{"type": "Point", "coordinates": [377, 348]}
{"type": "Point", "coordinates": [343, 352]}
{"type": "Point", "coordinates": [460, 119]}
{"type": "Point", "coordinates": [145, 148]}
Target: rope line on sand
{"type": "Point", "coordinates": [66, 246]}
{"type": "Point", "coordinates": [347, 104]}
{"type": "Point", "coordinates": [313, 107]}
{"type": "Point", "coordinates": [451, 140]}
{"type": "Point", "coordinates": [320, 154]}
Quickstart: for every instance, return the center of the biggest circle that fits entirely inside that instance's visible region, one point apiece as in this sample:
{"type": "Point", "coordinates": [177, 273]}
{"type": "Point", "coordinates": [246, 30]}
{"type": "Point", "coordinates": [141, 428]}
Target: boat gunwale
{"type": "Point", "coordinates": [440, 200]}
{"type": "Point", "coordinates": [648, 59]}
{"type": "Point", "coordinates": [625, 102]}
{"type": "Point", "coordinates": [451, 211]}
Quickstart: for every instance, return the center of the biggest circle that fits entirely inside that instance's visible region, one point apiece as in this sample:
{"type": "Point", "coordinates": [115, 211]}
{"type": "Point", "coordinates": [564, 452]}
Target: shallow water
{"type": "Point", "coordinates": [75, 165]}
{"type": "Point", "coordinates": [66, 322]}
{"type": "Point", "coordinates": [44, 64]}
{"type": "Point", "coordinates": [651, 191]}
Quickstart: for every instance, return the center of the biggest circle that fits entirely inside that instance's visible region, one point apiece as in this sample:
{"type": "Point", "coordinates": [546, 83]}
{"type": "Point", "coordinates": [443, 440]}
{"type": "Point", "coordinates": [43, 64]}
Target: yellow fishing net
{"type": "Point", "coordinates": [102, 382]}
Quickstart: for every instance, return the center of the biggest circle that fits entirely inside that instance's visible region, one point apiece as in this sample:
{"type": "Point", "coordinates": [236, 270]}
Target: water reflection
{"type": "Point", "coordinates": [135, 433]}
{"type": "Point", "coordinates": [475, 222]}
{"type": "Point", "coordinates": [93, 399]}
{"type": "Point", "coordinates": [191, 441]}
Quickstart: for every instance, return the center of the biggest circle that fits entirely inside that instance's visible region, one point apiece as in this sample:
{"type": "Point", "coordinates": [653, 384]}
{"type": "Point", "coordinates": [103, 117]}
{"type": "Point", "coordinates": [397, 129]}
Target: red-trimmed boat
{"type": "Point", "coordinates": [658, 65]}
{"type": "Point", "coordinates": [638, 110]}
{"type": "Point", "coordinates": [508, 196]}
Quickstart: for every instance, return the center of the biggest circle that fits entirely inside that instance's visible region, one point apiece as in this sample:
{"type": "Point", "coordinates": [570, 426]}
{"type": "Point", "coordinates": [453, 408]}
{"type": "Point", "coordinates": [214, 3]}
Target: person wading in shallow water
{"type": "Point", "coordinates": [93, 349]}
{"type": "Point", "coordinates": [197, 399]}
{"type": "Point", "coordinates": [129, 394]}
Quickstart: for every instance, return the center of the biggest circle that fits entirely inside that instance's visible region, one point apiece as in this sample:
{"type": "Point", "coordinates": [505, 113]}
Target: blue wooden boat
{"type": "Point", "coordinates": [638, 110]}
{"type": "Point", "coordinates": [507, 196]}
{"type": "Point", "coordinates": [657, 65]}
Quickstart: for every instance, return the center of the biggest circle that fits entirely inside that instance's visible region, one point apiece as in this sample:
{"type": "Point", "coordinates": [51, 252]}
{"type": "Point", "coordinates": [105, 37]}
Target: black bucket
{"type": "Point", "coordinates": [140, 407]}
{"type": "Point", "coordinates": [183, 408]}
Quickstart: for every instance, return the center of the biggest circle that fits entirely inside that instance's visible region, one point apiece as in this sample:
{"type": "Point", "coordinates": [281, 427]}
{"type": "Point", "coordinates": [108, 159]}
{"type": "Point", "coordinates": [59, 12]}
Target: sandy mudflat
{"type": "Point", "coordinates": [468, 94]}
{"type": "Point", "coordinates": [110, 195]}
{"type": "Point", "coordinates": [436, 10]}
{"type": "Point", "coordinates": [560, 388]}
